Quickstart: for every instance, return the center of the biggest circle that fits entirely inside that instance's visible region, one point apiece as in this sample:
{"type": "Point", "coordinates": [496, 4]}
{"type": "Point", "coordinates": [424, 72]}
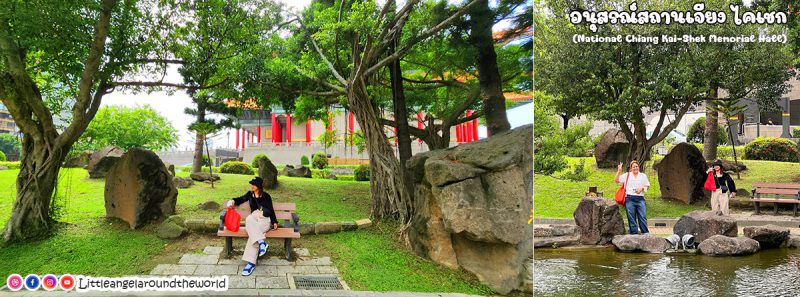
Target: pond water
{"type": "Point", "coordinates": [605, 272]}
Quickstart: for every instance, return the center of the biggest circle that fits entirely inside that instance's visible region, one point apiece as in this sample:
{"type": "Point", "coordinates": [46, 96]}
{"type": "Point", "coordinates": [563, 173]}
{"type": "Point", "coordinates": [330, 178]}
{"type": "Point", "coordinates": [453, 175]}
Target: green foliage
{"type": "Point", "coordinates": [796, 132]}
{"type": "Point", "coordinates": [359, 141]}
{"type": "Point", "coordinates": [576, 140]}
{"type": "Point", "coordinates": [10, 144]}
{"type": "Point", "coordinates": [206, 160]}
{"type": "Point", "coordinates": [772, 149]}
{"type": "Point", "coordinates": [328, 138]}
{"type": "Point", "coordinates": [361, 173]}
{"type": "Point", "coordinates": [11, 165]}
{"type": "Point", "coordinates": [725, 151]}
{"type": "Point", "coordinates": [257, 157]}
{"type": "Point", "coordinates": [696, 131]}
{"type": "Point", "coordinates": [303, 160]}
{"type": "Point", "coordinates": [319, 161]}
{"type": "Point", "coordinates": [2, 157]}
{"type": "Point", "coordinates": [236, 167]}
{"type": "Point", "coordinates": [129, 127]}
{"type": "Point", "coordinates": [579, 172]}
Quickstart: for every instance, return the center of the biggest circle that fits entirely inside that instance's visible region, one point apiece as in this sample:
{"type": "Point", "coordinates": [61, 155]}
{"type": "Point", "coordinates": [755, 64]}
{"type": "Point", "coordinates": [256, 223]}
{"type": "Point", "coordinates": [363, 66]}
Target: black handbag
{"type": "Point", "coordinates": [721, 186]}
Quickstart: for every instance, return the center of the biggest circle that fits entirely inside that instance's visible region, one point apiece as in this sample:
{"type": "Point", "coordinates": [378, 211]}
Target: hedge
{"type": "Point", "coordinates": [236, 167]}
{"type": "Point", "coordinates": [361, 173]}
{"type": "Point", "coordinates": [319, 161]}
{"type": "Point", "coordinates": [772, 149]}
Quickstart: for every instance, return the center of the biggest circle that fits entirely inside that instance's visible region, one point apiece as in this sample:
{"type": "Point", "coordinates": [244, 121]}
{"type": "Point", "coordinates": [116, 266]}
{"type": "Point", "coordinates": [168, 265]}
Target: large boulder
{"type": "Point", "coordinates": [268, 172]}
{"type": "Point", "coordinates": [768, 236]}
{"type": "Point", "coordinates": [299, 171]}
{"type": "Point", "coordinates": [173, 227]}
{"type": "Point", "coordinates": [473, 203]}
{"type": "Point", "coordinates": [139, 189]}
{"type": "Point", "coordinates": [182, 182]}
{"type": "Point", "coordinates": [203, 176]}
{"type": "Point", "coordinates": [101, 161]}
{"type": "Point", "coordinates": [730, 166]}
{"type": "Point", "coordinates": [170, 168]}
{"type": "Point", "coordinates": [554, 241]}
{"type": "Point", "coordinates": [598, 220]}
{"type": "Point", "coordinates": [612, 148]}
{"type": "Point", "coordinates": [720, 245]}
{"type": "Point", "coordinates": [681, 174]}
{"type": "Point", "coordinates": [640, 243]}
{"type": "Point", "coordinates": [80, 160]}
{"type": "Point", "coordinates": [704, 224]}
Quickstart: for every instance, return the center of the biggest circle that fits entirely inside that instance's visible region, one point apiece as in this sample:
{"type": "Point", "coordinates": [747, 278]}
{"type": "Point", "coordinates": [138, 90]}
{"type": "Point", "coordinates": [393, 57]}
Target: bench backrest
{"type": "Point", "coordinates": [777, 185]}
{"type": "Point", "coordinates": [282, 214]}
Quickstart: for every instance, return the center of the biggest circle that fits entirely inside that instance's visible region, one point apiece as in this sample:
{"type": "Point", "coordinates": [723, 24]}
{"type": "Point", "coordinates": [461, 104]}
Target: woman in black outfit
{"type": "Point", "coordinates": [725, 186]}
{"type": "Point", "coordinates": [257, 224]}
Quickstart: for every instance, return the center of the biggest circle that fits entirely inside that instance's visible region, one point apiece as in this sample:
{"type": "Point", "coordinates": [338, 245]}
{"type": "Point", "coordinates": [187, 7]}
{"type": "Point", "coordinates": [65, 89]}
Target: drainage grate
{"type": "Point", "coordinates": [317, 283]}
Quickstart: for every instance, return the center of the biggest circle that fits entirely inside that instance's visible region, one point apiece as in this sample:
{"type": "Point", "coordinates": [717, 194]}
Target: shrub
{"type": "Point", "coordinates": [576, 140]}
{"type": "Point", "coordinates": [725, 151]}
{"type": "Point", "coordinates": [578, 173]}
{"type": "Point", "coordinates": [11, 165]}
{"type": "Point", "coordinates": [206, 161]}
{"type": "Point", "coordinates": [257, 157]}
{"type": "Point", "coordinates": [696, 131]}
{"type": "Point", "coordinates": [303, 160]}
{"type": "Point", "coordinates": [236, 167]}
{"type": "Point", "coordinates": [772, 149]}
{"type": "Point", "coordinates": [796, 132]}
{"type": "Point", "coordinates": [2, 157]}
{"type": "Point", "coordinates": [361, 173]}
{"type": "Point", "coordinates": [319, 161]}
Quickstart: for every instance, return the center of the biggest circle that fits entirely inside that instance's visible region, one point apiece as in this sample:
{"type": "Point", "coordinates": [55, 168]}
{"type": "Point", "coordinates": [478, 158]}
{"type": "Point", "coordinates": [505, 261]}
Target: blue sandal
{"type": "Point", "coordinates": [248, 269]}
{"type": "Point", "coordinates": [262, 248]}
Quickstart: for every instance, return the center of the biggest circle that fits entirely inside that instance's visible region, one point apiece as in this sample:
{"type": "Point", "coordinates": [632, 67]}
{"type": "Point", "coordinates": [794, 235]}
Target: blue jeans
{"type": "Point", "coordinates": [637, 214]}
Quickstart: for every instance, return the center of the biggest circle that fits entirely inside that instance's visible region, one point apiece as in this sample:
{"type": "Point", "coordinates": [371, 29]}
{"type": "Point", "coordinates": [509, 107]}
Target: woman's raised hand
{"type": "Point", "coordinates": [619, 167]}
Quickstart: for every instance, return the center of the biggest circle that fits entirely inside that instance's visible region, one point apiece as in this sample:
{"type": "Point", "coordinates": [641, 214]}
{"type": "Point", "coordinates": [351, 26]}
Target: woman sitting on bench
{"type": "Point", "coordinates": [262, 216]}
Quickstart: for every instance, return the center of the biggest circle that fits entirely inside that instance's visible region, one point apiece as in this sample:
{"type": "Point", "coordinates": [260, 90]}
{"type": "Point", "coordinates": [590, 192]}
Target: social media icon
{"type": "Point", "coordinates": [32, 282]}
{"type": "Point", "coordinates": [14, 282]}
{"type": "Point", "coordinates": [49, 282]}
{"type": "Point", "coordinates": [67, 282]}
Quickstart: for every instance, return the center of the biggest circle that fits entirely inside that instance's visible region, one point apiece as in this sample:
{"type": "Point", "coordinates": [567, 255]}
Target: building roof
{"type": "Point", "coordinates": [518, 97]}
{"type": "Point", "coordinates": [246, 104]}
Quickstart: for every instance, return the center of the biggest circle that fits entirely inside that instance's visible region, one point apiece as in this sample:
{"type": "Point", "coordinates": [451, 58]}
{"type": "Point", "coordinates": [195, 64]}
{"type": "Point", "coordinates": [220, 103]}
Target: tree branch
{"type": "Point", "coordinates": [408, 44]}
{"type": "Point", "coordinates": [320, 81]}
{"type": "Point", "coordinates": [164, 84]}
{"type": "Point", "coordinates": [330, 66]}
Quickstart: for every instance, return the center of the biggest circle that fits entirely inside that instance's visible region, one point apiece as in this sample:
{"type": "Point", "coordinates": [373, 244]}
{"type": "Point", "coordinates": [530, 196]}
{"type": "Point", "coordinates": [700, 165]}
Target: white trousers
{"type": "Point", "coordinates": [257, 226]}
{"type": "Point", "coordinates": [719, 201]}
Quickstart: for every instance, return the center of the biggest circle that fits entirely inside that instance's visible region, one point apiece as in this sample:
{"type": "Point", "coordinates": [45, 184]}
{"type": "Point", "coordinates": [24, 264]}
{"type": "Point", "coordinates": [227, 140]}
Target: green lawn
{"type": "Point", "coordinates": [86, 243]}
{"type": "Point", "coordinates": [556, 198]}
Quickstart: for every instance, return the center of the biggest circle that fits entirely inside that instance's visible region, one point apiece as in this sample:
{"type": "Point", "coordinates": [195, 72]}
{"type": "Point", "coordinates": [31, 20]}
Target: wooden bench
{"type": "Point", "coordinates": [284, 212]}
{"type": "Point", "coordinates": [776, 190]}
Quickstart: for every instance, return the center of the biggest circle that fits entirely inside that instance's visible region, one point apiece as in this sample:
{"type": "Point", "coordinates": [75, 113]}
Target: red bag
{"type": "Point", "coordinates": [619, 196]}
{"type": "Point", "coordinates": [710, 184]}
{"type": "Point", "coordinates": [232, 220]}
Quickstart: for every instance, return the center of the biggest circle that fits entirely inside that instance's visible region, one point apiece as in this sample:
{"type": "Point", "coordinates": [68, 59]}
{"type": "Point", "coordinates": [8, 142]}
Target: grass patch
{"type": "Point", "coordinates": [556, 198]}
{"type": "Point", "coordinates": [373, 259]}
{"type": "Point", "coordinates": [86, 243]}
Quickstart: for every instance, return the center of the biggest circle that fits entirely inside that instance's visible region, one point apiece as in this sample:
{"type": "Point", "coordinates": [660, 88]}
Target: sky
{"type": "Point", "coordinates": [172, 106]}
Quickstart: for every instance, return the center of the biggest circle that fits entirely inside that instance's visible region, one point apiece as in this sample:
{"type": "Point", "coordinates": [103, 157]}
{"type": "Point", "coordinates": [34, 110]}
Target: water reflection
{"type": "Point", "coordinates": [604, 272]}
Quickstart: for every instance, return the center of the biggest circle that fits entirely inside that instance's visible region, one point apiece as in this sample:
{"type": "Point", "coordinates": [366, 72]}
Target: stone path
{"type": "Point", "coordinates": [270, 273]}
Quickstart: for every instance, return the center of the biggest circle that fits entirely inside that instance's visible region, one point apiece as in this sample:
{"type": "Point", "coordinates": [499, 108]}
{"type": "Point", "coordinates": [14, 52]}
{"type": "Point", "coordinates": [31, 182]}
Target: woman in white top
{"type": "Point", "coordinates": [636, 185]}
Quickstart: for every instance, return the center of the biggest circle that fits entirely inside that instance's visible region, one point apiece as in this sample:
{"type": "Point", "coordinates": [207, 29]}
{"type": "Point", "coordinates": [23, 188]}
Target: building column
{"type": "Point", "coordinates": [330, 122]}
{"type": "Point", "coordinates": [351, 126]}
{"type": "Point", "coordinates": [243, 138]}
{"type": "Point", "coordinates": [459, 137]}
{"type": "Point", "coordinates": [237, 139]}
{"type": "Point", "coordinates": [289, 129]}
{"type": "Point", "coordinates": [786, 118]}
{"type": "Point", "coordinates": [258, 138]}
{"type": "Point", "coordinates": [273, 125]}
{"type": "Point", "coordinates": [419, 124]}
{"type": "Point", "coordinates": [474, 128]}
{"type": "Point", "coordinates": [308, 131]}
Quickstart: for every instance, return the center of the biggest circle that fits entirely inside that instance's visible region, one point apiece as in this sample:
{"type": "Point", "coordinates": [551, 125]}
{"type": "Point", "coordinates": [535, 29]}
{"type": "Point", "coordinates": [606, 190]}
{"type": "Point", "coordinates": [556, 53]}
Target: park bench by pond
{"type": "Point", "coordinates": [773, 193]}
{"type": "Point", "coordinates": [284, 212]}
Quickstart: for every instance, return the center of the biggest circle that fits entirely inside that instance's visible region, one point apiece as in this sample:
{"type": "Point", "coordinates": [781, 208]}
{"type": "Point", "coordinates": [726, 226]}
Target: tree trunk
{"type": "Point", "coordinates": [565, 117]}
{"type": "Point", "coordinates": [400, 111]}
{"type": "Point", "coordinates": [710, 138]}
{"type": "Point", "coordinates": [36, 182]}
{"type": "Point", "coordinates": [494, 103]}
{"type": "Point", "coordinates": [390, 197]}
{"type": "Point", "coordinates": [197, 163]}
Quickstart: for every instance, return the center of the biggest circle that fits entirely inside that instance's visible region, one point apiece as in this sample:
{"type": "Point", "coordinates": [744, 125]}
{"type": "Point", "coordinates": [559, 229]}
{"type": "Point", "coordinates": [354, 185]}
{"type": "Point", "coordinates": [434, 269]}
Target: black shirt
{"type": "Point", "coordinates": [264, 203]}
{"type": "Point", "coordinates": [725, 179]}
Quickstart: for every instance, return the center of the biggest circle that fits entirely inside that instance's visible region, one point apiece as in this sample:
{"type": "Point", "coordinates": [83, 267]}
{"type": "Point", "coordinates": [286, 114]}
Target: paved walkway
{"type": "Point", "coordinates": [270, 273]}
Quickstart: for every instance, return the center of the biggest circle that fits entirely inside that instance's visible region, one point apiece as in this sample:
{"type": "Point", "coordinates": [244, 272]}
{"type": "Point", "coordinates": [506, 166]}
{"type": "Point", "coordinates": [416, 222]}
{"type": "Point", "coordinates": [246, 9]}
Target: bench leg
{"type": "Point", "coordinates": [228, 247]}
{"type": "Point", "coordinates": [776, 208]}
{"type": "Point", "coordinates": [794, 213]}
{"type": "Point", "coordinates": [287, 245]}
{"type": "Point", "coordinates": [758, 211]}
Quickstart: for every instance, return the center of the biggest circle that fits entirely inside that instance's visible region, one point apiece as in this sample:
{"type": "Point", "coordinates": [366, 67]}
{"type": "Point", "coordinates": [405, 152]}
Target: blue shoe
{"type": "Point", "coordinates": [262, 248]}
{"type": "Point", "coordinates": [248, 269]}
